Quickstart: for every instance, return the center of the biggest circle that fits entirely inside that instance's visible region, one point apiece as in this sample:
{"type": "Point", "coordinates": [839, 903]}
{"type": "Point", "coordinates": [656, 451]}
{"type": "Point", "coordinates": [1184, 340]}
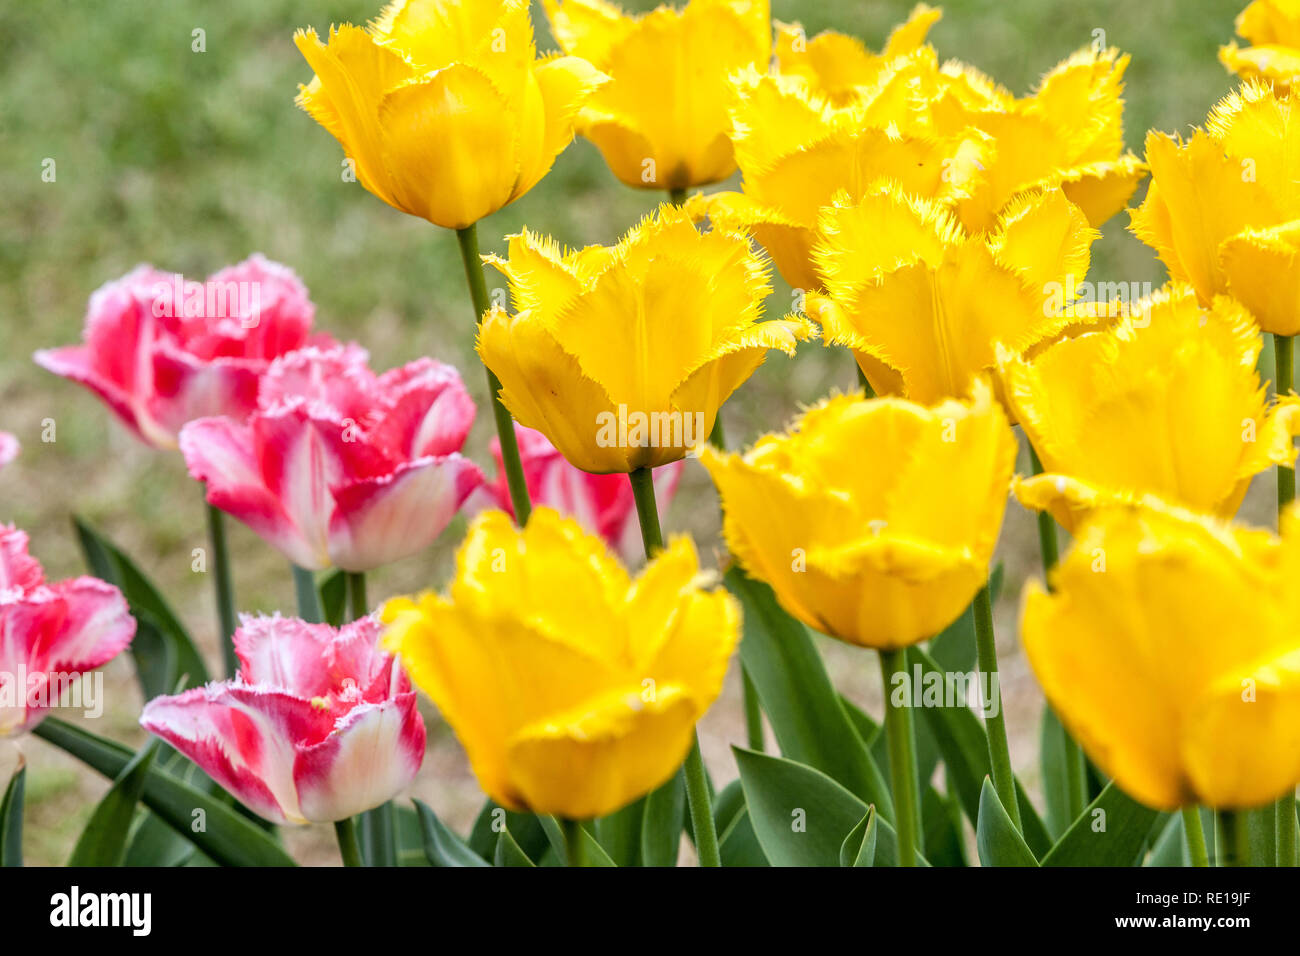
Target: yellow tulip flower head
{"type": "Point", "coordinates": [573, 688]}
{"type": "Point", "coordinates": [839, 67]}
{"type": "Point", "coordinates": [1166, 402]}
{"type": "Point", "coordinates": [797, 152]}
{"type": "Point", "coordinates": [662, 121]}
{"type": "Point", "coordinates": [1068, 133]}
{"type": "Point", "coordinates": [881, 550]}
{"type": "Point", "coordinates": [1223, 208]}
{"type": "Point", "coordinates": [442, 105]}
{"type": "Point", "coordinates": [1272, 28]}
{"type": "Point", "coordinates": [622, 356]}
{"type": "Point", "coordinates": [923, 305]}
{"type": "Point", "coordinates": [1170, 649]}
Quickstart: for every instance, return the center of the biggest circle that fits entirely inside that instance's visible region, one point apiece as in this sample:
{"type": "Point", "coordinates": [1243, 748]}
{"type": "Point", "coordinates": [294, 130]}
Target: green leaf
{"type": "Point", "coordinates": [103, 841]}
{"type": "Point", "coordinates": [737, 844]}
{"type": "Point", "coordinates": [997, 840]}
{"type": "Point", "coordinates": [1170, 847]}
{"type": "Point", "coordinates": [492, 818]}
{"type": "Point", "coordinates": [508, 852]}
{"type": "Point", "coordinates": [662, 822]}
{"type": "Point", "coordinates": [859, 847]}
{"type": "Point", "coordinates": [227, 836]}
{"type": "Point", "coordinates": [377, 836]}
{"type": "Point", "coordinates": [333, 597]}
{"type": "Point", "coordinates": [1112, 831]}
{"type": "Point", "coordinates": [810, 724]}
{"type": "Point", "coordinates": [800, 815]}
{"type": "Point", "coordinates": [620, 833]}
{"type": "Point", "coordinates": [11, 817]}
{"type": "Point", "coordinates": [162, 648]}
{"type": "Point", "coordinates": [1056, 790]}
{"type": "Point", "coordinates": [442, 846]}
{"type": "Point", "coordinates": [593, 852]}
{"type": "Point", "coordinates": [410, 837]}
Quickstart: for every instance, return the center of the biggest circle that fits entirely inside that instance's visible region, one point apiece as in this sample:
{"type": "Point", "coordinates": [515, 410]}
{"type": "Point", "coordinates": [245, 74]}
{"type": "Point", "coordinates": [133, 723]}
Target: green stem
{"type": "Point", "coordinates": [349, 849]}
{"type": "Point", "coordinates": [358, 606]}
{"type": "Point", "coordinates": [1286, 831]}
{"type": "Point", "coordinates": [468, 240]}
{"type": "Point", "coordinates": [677, 196]}
{"type": "Point", "coordinates": [901, 740]}
{"type": "Point", "coordinates": [753, 712]}
{"type": "Point", "coordinates": [647, 510]}
{"type": "Point", "coordinates": [996, 726]}
{"type": "Point", "coordinates": [701, 807]}
{"type": "Point", "coordinates": [1233, 839]}
{"type": "Point", "coordinates": [697, 783]}
{"type": "Point", "coordinates": [1195, 836]}
{"type": "Point", "coordinates": [225, 587]}
{"type": "Point", "coordinates": [573, 850]}
{"type": "Point", "coordinates": [304, 586]}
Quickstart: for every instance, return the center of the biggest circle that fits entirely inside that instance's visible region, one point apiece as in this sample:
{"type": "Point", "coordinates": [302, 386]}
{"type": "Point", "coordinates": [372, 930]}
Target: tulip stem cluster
{"type": "Point", "coordinates": [1285, 820]}
{"type": "Point", "coordinates": [514, 469]}
{"type": "Point", "coordinates": [224, 587]}
{"type": "Point", "coordinates": [304, 586]}
{"type": "Point", "coordinates": [900, 738]}
{"type": "Point", "coordinates": [999, 752]}
{"type": "Point", "coordinates": [349, 849]}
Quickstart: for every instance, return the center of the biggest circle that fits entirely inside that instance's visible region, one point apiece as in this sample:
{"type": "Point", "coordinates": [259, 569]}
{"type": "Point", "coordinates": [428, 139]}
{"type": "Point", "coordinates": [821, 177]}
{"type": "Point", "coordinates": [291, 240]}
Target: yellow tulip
{"type": "Point", "coordinates": [923, 305]}
{"type": "Point", "coordinates": [797, 152]}
{"type": "Point", "coordinates": [442, 105]}
{"type": "Point", "coordinates": [884, 549]}
{"type": "Point", "coordinates": [1272, 27]}
{"type": "Point", "coordinates": [840, 67]}
{"type": "Point", "coordinates": [622, 356]}
{"type": "Point", "coordinates": [662, 121]}
{"type": "Point", "coordinates": [1166, 403]}
{"type": "Point", "coordinates": [1068, 133]}
{"type": "Point", "coordinates": [1223, 208]}
{"type": "Point", "coordinates": [573, 688]}
{"type": "Point", "coordinates": [1170, 649]}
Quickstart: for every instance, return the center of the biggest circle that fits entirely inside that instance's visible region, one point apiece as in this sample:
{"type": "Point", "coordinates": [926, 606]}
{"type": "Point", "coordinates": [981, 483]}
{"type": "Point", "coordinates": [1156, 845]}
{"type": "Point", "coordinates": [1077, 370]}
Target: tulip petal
{"type": "Point", "coordinates": [1262, 269]}
{"type": "Point", "coordinates": [370, 757]}
{"type": "Point", "coordinates": [379, 520]}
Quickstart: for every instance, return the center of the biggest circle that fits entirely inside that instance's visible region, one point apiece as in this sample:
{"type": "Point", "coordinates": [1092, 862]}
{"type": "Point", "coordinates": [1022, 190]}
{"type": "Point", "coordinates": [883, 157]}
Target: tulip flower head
{"type": "Point", "coordinates": [602, 504]}
{"type": "Point", "coordinates": [52, 633]}
{"type": "Point", "coordinates": [622, 356]}
{"type": "Point", "coordinates": [338, 465]}
{"type": "Point", "coordinates": [1170, 650]}
{"type": "Point", "coordinates": [881, 551]}
{"type": "Point", "coordinates": [923, 304]}
{"type": "Point", "coordinates": [574, 688]}
{"type": "Point", "coordinates": [318, 726]}
{"type": "Point", "coordinates": [1166, 402]}
{"type": "Point", "coordinates": [1223, 210]}
{"type": "Point", "coordinates": [1272, 28]}
{"type": "Point", "coordinates": [160, 351]}
{"type": "Point", "coordinates": [662, 121]}
{"type": "Point", "coordinates": [9, 448]}
{"type": "Point", "coordinates": [443, 106]}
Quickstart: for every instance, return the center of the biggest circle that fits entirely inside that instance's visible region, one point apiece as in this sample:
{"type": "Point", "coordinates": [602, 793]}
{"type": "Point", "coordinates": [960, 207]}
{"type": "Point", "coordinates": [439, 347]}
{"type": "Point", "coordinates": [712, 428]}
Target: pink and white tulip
{"type": "Point", "coordinates": [161, 351]}
{"type": "Point", "coordinates": [319, 724]}
{"type": "Point", "coordinates": [50, 633]}
{"type": "Point", "coordinates": [340, 466]}
{"type": "Point", "coordinates": [603, 504]}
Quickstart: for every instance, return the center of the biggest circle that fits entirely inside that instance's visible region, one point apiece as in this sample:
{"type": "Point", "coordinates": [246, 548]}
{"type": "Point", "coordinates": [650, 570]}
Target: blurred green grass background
{"type": "Point", "coordinates": [192, 160]}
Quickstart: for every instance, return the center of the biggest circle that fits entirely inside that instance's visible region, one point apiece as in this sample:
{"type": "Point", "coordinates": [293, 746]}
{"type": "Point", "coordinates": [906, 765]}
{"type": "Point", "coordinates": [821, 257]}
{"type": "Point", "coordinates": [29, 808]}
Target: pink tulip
{"type": "Point", "coordinates": [603, 504]}
{"type": "Point", "coordinates": [9, 448]}
{"type": "Point", "coordinates": [339, 466]}
{"type": "Point", "coordinates": [50, 634]}
{"type": "Point", "coordinates": [319, 724]}
{"type": "Point", "coordinates": [160, 351]}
